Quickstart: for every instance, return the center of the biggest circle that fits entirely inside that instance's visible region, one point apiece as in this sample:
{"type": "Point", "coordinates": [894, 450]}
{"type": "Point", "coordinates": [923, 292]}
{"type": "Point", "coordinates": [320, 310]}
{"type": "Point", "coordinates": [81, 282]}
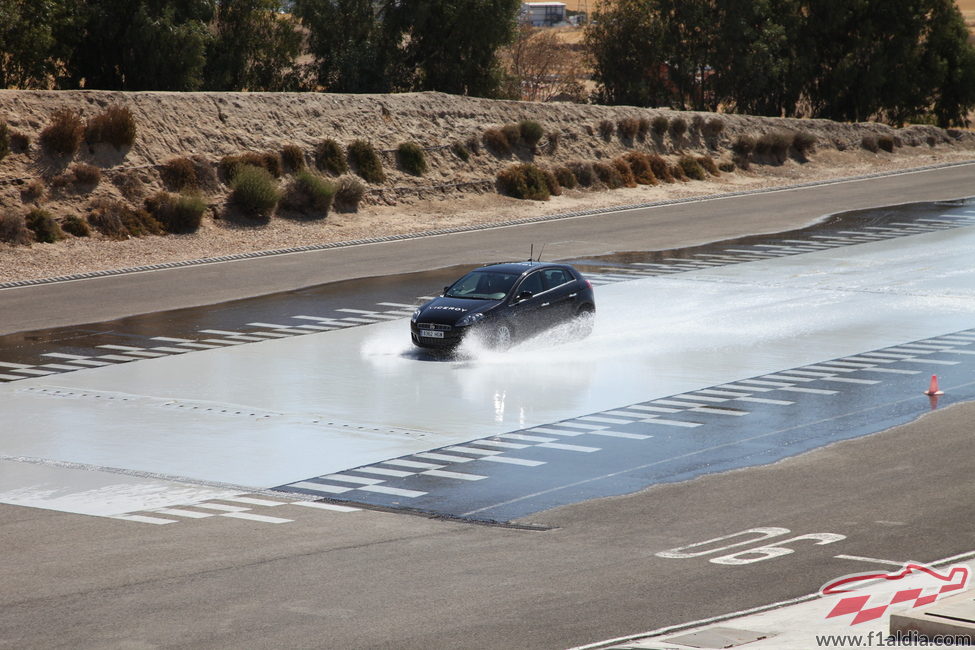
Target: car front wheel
{"type": "Point", "coordinates": [503, 337]}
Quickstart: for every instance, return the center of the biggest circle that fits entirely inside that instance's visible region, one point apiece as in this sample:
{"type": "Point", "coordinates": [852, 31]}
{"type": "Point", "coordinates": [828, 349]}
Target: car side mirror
{"type": "Point", "coordinates": [445, 290]}
{"type": "Point", "coordinates": [524, 295]}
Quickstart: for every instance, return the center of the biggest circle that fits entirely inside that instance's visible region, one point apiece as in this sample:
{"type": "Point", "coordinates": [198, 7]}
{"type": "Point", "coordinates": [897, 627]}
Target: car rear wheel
{"type": "Point", "coordinates": [586, 320]}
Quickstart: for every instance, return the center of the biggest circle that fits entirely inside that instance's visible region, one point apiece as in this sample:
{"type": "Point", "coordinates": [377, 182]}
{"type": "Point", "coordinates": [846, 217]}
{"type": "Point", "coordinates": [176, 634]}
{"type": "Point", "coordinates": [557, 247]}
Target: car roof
{"type": "Point", "coordinates": [520, 267]}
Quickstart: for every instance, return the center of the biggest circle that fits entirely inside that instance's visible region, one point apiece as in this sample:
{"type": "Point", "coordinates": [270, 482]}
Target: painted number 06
{"type": "Point", "coordinates": [750, 555]}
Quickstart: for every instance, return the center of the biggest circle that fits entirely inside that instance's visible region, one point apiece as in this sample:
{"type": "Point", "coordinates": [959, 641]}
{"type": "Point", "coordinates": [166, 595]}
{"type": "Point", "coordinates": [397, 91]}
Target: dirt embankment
{"type": "Point", "coordinates": [453, 192]}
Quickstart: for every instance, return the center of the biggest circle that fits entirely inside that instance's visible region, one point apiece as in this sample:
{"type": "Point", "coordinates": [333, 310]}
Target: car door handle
{"type": "Point", "coordinates": [573, 295]}
{"type": "Point", "coordinates": [546, 304]}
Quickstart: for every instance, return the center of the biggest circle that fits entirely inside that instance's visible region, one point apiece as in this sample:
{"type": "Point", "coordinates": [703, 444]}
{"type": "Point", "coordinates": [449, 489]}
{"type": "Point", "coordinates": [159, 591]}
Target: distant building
{"type": "Point", "coordinates": [543, 14]}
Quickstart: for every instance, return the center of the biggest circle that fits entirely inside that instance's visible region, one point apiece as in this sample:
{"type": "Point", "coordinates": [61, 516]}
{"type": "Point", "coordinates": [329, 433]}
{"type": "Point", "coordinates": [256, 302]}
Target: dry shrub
{"type": "Point", "coordinates": [584, 173]}
{"type": "Point", "coordinates": [626, 174]}
{"type": "Point", "coordinates": [606, 129]}
{"type": "Point", "coordinates": [707, 162]}
{"type": "Point", "coordinates": [461, 151]}
{"type": "Point", "coordinates": [628, 128]}
{"type": "Point", "coordinates": [178, 174]}
{"type": "Point", "coordinates": [553, 138]}
{"type": "Point", "coordinates": [365, 162]}
{"type": "Point", "coordinates": [608, 175]}
{"type": "Point", "coordinates": [886, 142]}
{"type": "Point", "coordinates": [775, 145]}
{"type": "Point", "coordinates": [640, 166]}
{"type": "Point", "coordinates": [46, 230]}
{"type": "Point", "coordinates": [803, 143]}
{"type": "Point", "coordinates": [349, 194]}
{"type": "Point", "coordinates": [713, 127]}
{"type": "Point", "coordinates": [473, 145]}
{"type": "Point", "coordinates": [552, 182]}
{"type": "Point", "coordinates": [115, 126]}
{"type": "Point", "coordinates": [411, 158]}
{"type": "Point", "coordinates": [292, 158]}
{"type": "Point", "coordinates": [697, 123]}
{"type": "Point", "coordinates": [19, 142]}
{"type": "Point", "coordinates": [660, 168]}
{"type": "Point", "coordinates": [678, 172]}
{"type": "Point", "coordinates": [692, 168]}
{"type": "Point", "coordinates": [512, 133]}
{"type": "Point", "coordinates": [118, 220]}
{"type": "Point", "coordinates": [4, 140]}
{"type": "Point", "coordinates": [869, 142]}
{"type": "Point", "coordinates": [643, 129]}
{"type": "Point", "coordinates": [177, 213]}
{"type": "Point", "coordinates": [86, 175]}
{"type": "Point", "coordinates": [496, 142]}
{"type": "Point", "coordinates": [565, 177]}
{"type": "Point", "coordinates": [76, 226]}
{"type": "Point", "coordinates": [33, 191]}
{"type": "Point", "coordinates": [678, 127]}
{"type": "Point", "coordinates": [523, 181]}
{"type": "Point", "coordinates": [63, 135]}
{"type": "Point", "coordinates": [13, 230]}
{"type": "Point", "coordinates": [329, 158]}
{"type": "Point", "coordinates": [130, 184]}
{"type": "Point", "coordinates": [660, 124]}
{"type": "Point", "coordinates": [726, 166]}
{"type": "Point", "coordinates": [269, 161]}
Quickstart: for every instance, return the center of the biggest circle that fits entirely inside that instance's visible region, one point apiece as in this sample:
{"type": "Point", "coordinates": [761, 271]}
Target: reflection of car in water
{"type": "Point", "coordinates": [503, 303]}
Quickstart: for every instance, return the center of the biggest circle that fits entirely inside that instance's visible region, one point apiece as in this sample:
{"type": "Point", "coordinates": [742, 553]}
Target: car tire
{"type": "Point", "coordinates": [586, 320]}
{"type": "Point", "coordinates": [503, 337]}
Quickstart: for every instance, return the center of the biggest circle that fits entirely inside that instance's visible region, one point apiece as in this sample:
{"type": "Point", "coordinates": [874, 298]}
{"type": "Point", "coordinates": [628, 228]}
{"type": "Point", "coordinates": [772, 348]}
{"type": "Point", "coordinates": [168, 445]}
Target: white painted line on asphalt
{"type": "Point", "coordinates": [653, 409]}
{"type": "Point", "coordinates": [672, 402]}
{"type": "Point", "coordinates": [7, 364]}
{"type": "Point", "coordinates": [200, 346]}
{"type": "Point", "coordinates": [848, 380]}
{"type": "Point", "coordinates": [519, 436]}
{"type": "Point", "coordinates": [317, 328]}
{"type": "Point", "coordinates": [558, 445]}
{"type": "Point", "coordinates": [254, 501]}
{"type": "Point", "coordinates": [142, 519]}
{"type": "Point", "coordinates": [30, 371]}
{"type": "Point", "coordinates": [596, 418]}
{"type": "Point", "coordinates": [385, 489]}
{"type": "Point", "coordinates": [274, 335]}
{"type": "Point", "coordinates": [753, 389]}
{"type": "Point", "coordinates": [379, 471]}
{"type": "Point", "coordinates": [812, 391]}
{"type": "Point", "coordinates": [871, 560]}
{"type": "Point", "coordinates": [711, 409]}
{"type": "Point", "coordinates": [720, 393]}
{"type": "Point", "coordinates": [558, 432]}
{"type": "Point", "coordinates": [927, 346]}
{"type": "Point", "coordinates": [179, 512]}
{"type": "Point", "coordinates": [170, 350]}
{"type": "Point", "coordinates": [959, 352]}
{"type": "Point", "coordinates": [10, 377]}
{"type": "Point", "coordinates": [58, 366]}
{"type": "Point", "coordinates": [170, 339]}
{"type": "Point", "coordinates": [62, 355]}
{"type": "Point", "coordinates": [697, 396]}
{"type": "Point", "coordinates": [675, 423]}
{"type": "Point", "coordinates": [324, 506]}
{"type": "Point", "coordinates": [581, 425]}
{"type": "Point", "coordinates": [912, 350]}
{"type": "Point", "coordinates": [502, 445]}
{"type": "Point", "coordinates": [457, 475]}
{"type": "Point", "coordinates": [355, 319]}
{"type": "Point", "coordinates": [848, 364]}
{"type": "Point", "coordinates": [763, 400]}
{"type": "Point", "coordinates": [622, 413]}
{"type": "Point", "coordinates": [411, 463]}
{"type": "Point", "coordinates": [790, 377]}
{"type": "Point", "coordinates": [396, 304]}
{"type": "Point", "coordinates": [620, 434]}
{"type": "Point", "coordinates": [473, 450]}
{"type": "Point", "coordinates": [225, 342]}
{"type": "Point", "coordinates": [873, 361]}
{"type": "Point", "coordinates": [221, 332]}
{"type": "Point", "coordinates": [893, 371]}
{"type": "Point", "coordinates": [220, 506]}
{"type": "Point", "coordinates": [514, 461]}
{"type": "Point", "coordinates": [249, 339]}
{"type": "Point", "coordinates": [922, 361]}
{"type": "Point", "coordinates": [776, 384]}
{"type": "Point", "coordinates": [358, 480]}
{"type": "Point", "coordinates": [90, 362]}
{"type": "Point", "coordinates": [252, 517]}
{"type": "Point", "coordinates": [321, 488]}
{"type": "Point", "coordinates": [270, 325]}
{"type": "Point", "coordinates": [811, 373]}
{"type": "Point", "coordinates": [447, 458]}
{"type": "Point", "coordinates": [146, 355]}
{"type": "Point", "coordinates": [123, 348]}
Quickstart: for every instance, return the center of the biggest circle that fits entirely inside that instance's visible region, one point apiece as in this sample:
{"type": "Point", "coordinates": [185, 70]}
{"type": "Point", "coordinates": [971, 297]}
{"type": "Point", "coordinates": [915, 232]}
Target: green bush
{"type": "Point", "coordinates": [365, 162]}
{"type": "Point", "coordinates": [640, 166]}
{"type": "Point", "coordinates": [678, 127]}
{"type": "Point", "coordinates": [628, 127]}
{"type": "Point", "coordinates": [254, 191]}
{"type": "Point", "coordinates": [643, 129]}
{"type": "Point", "coordinates": [692, 168]}
{"type": "Point", "coordinates": [608, 175]}
{"type": "Point", "coordinates": [496, 142]}
{"type": "Point", "coordinates": [76, 226]}
{"type": "Point", "coordinates": [461, 151]}
{"type": "Point", "coordinates": [606, 129]}
{"type": "Point", "coordinates": [115, 125]}
{"type": "Point", "coordinates": [660, 168]}
{"type": "Point", "coordinates": [626, 174]}
{"type": "Point", "coordinates": [530, 132]}
{"type": "Point", "coordinates": [349, 194]}
{"type": "Point", "coordinates": [411, 158]}
{"type": "Point", "coordinates": [708, 164]}
{"type": "Point", "coordinates": [13, 230]}
{"type": "Point", "coordinates": [552, 182]}
{"type": "Point", "coordinates": [886, 143]}
{"type": "Point", "coordinates": [63, 135]}
{"type": "Point", "coordinates": [523, 181]}
{"type": "Point", "coordinates": [660, 124]}
{"type": "Point", "coordinates": [584, 173]}
{"type": "Point", "coordinates": [565, 177]}
{"type": "Point", "coordinates": [310, 193]}
{"type": "Point", "coordinates": [85, 174]}
{"type": "Point", "coordinates": [269, 161]}
{"type": "Point", "coordinates": [178, 174]}
{"type": "Point", "coordinates": [292, 158]}
{"type": "Point", "coordinates": [177, 213]}
{"type": "Point", "coordinates": [46, 230]}
{"type": "Point", "coordinates": [329, 158]}
{"type": "Point", "coordinates": [4, 140]}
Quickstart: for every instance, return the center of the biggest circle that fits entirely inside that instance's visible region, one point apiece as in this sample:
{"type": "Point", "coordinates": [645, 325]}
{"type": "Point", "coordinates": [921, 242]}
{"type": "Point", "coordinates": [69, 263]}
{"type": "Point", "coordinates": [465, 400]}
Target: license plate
{"type": "Point", "coordinates": [431, 334]}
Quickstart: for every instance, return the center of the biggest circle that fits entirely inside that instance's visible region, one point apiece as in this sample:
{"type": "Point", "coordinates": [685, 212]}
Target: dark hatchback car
{"type": "Point", "coordinates": [503, 303]}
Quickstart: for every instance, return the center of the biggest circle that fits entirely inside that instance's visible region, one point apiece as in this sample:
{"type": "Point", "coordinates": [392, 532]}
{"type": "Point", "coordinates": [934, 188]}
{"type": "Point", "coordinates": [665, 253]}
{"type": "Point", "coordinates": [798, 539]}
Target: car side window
{"type": "Point", "coordinates": [532, 283]}
{"type": "Point", "coordinates": [555, 278]}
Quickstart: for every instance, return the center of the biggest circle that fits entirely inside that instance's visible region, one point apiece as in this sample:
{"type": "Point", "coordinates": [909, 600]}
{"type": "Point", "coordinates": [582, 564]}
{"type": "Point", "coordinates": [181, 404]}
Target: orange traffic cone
{"type": "Point", "coordinates": [933, 388]}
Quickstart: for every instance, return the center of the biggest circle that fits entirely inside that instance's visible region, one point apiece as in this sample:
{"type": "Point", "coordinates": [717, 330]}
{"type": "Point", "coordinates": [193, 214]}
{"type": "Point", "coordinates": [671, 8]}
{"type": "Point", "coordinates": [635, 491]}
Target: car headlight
{"type": "Point", "coordinates": [416, 314]}
{"type": "Point", "coordinates": [470, 319]}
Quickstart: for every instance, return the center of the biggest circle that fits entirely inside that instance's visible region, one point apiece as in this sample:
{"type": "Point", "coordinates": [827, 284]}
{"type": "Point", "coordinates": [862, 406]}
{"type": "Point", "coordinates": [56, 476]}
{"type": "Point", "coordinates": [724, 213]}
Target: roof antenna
{"type": "Point", "coordinates": [540, 253]}
{"type": "Point", "coordinates": [531, 254]}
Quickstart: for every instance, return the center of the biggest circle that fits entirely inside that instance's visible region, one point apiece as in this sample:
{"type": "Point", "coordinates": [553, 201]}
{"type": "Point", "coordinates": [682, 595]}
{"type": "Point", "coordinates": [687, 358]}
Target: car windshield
{"type": "Point", "coordinates": [482, 285]}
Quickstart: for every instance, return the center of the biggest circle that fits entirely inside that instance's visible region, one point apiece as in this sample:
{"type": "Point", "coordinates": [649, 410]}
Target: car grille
{"type": "Point", "coordinates": [434, 326]}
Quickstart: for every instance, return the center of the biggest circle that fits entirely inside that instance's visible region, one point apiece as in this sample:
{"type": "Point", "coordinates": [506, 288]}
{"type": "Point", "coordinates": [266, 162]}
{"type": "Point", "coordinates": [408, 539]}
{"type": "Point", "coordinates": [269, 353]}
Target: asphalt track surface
{"type": "Point", "coordinates": [373, 579]}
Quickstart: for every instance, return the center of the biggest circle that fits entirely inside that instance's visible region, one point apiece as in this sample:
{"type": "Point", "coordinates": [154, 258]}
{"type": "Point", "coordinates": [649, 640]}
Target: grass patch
{"type": "Point", "coordinates": [584, 173]}
{"type": "Point", "coordinates": [411, 158]}
{"type": "Point", "coordinates": [565, 177]}
{"type": "Point", "coordinates": [255, 191]}
{"type": "Point", "coordinates": [365, 162]}
{"type": "Point", "coordinates": [640, 166]}
{"type": "Point", "coordinates": [63, 135]}
{"type": "Point", "coordinates": [46, 230]}
{"type": "Point", "coordinates": [608, 175]}
{"type": "Point", "coordinates": [310, 193]}
{"type": "Point", "coordinates": [115, 126]}
{"type": "Point", "coordinates": [692, 168]}
{"type": "Point", "coordinates": [349, 194]}
{"type": "Point", "coordinates": [13, 230]}
{"type": "Point", "coordinates": [523, 181]}
{"type": "Point", "coordinates": [76, 226]}
{"type": "Point", "coordinates": [329, 158]}
{"type": "Point", "coordinates": [177, 213]}
{"type": "Point", "coordinates": [292, 158]}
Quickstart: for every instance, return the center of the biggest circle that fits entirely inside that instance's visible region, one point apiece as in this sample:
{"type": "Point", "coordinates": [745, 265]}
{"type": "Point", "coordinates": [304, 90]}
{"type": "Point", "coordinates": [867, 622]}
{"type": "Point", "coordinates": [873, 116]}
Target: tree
{"type": "Point", "coordinates": [948, 60]}
{"type": "Point", "coordinates": [540, 66]}
{"type": "Point", "coordinates": [253, 48]}
{"type": "Point", "coordinates": [35, 41]}
{"type": "Point", "coordinates": [451, 45]}
{"type": "Point", "coordinates": [347, 41]}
